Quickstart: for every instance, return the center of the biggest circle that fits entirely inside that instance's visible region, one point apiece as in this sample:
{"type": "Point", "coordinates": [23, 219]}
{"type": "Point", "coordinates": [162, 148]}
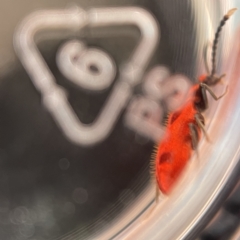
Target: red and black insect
{"type": "Point", "coordinates": [185, 126]}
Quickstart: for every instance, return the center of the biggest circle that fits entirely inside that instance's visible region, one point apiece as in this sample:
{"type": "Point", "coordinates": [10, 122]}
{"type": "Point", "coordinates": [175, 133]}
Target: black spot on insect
{"type": "Point", "coordinates": [174, 117]}
{"type": "Point", "coordinates": [165, 157]}
{"type": "Point", "coordinates": [187, 138]}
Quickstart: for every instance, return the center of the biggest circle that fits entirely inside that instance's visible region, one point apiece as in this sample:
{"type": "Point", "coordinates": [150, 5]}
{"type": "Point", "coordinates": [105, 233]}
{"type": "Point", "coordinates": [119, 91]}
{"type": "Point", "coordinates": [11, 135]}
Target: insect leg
{"type": "Point", "coordinates": [157, 194]}
{"type": "Point", "coordinates": [194, 137]}
{"type": "Point", "coordinates": [206, 87]}
{"type": "Point", "coordinates": [213, 80]}
{"type": "Point", "coordinates": [202, 104]}
{"type": "Point", "coordinates": [198, 118]}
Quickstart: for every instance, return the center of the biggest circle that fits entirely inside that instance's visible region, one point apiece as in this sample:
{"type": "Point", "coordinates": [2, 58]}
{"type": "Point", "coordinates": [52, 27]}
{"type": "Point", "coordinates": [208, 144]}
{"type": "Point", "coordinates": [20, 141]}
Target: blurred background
{"type": "Point", "coordinates": [52, 188]}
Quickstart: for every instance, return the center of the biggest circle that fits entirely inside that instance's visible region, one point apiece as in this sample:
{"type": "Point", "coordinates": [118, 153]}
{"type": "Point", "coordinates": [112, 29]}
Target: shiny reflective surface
{"type": "Point", "coordinates": [176, 216]}
{"type": "Point", "coordinates": [54, 97]}
{"type": "Point", "coordinates": [64, 184]}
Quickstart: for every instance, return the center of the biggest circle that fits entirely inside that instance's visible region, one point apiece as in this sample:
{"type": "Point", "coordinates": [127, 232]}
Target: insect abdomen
{"type": "Point", "coordinates": [176, 148]}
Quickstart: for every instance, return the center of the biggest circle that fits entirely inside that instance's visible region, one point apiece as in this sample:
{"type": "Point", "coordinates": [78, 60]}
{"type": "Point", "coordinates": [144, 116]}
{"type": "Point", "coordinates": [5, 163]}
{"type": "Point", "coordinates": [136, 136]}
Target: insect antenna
{"type": "Point", "coordinates": [216, 38]}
